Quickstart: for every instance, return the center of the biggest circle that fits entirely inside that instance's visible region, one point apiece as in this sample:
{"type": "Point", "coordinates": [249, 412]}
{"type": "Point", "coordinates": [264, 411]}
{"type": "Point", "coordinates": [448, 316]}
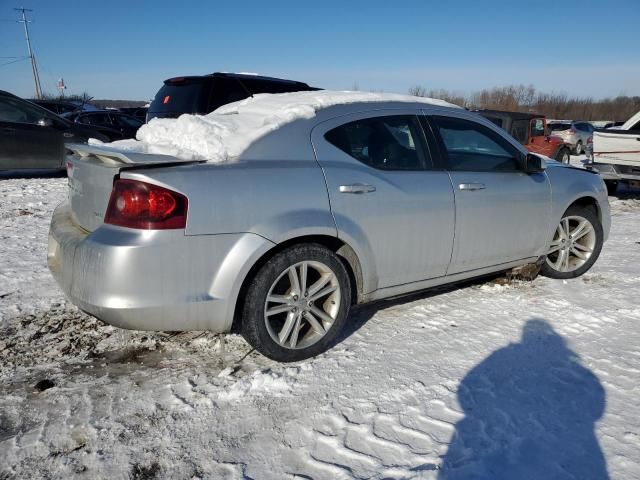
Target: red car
{"type": "Point", "coordinates": [531, 131]}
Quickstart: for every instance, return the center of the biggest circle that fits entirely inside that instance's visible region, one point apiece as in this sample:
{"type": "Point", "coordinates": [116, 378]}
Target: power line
{"type": "Point", "coordinates": [13, 61]}
{"type": "Point", "coordinates": [34, 66]}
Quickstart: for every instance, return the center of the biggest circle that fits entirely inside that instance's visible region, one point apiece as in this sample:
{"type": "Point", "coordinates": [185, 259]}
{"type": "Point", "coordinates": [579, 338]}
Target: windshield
{"type": "Point", "coordinates": [559, 127]}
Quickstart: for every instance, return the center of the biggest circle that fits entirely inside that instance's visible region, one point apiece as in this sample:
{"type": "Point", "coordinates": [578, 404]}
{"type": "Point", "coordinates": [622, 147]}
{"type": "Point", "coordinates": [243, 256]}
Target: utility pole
{"type": "Point", "coordinates": [34, 67]}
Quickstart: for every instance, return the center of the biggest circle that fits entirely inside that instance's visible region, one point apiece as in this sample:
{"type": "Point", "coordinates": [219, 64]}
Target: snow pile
{"type": "Point", "coordinates": [224, 134]}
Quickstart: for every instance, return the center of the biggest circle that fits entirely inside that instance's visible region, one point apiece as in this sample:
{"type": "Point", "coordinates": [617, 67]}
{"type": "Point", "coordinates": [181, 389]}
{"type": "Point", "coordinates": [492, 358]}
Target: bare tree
{"type": "Point", "coordinates": [525, 98]}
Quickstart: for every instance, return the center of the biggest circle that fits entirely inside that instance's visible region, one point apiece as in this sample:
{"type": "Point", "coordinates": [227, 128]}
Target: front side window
{"type": "Point", "coordinates": [537, 127]}
{"type": "Point", "coordinates": [474, 147]}
{"type": "Point", "coordinates": [385, 143]}
{"type": "Point", "coordinates": [15, 111]}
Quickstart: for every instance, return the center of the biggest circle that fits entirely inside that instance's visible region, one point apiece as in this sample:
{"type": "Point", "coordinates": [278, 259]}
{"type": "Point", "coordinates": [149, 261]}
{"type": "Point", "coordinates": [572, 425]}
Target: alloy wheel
{"type": "Point", "coordinates": [302, 304]}
{"type": "Point", "coordinates": [573, 243]}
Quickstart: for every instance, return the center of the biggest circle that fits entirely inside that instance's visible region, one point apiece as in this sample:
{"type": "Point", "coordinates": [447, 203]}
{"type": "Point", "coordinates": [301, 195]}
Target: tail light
{"type": "Point", "coordinates": [136, 204]}
{"type": "Point", "coordinates": [590, 140]}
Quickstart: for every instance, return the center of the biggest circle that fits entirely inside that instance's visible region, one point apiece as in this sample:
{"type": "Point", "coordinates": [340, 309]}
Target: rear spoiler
{"type": "Point", "coordinates": [115, 156]}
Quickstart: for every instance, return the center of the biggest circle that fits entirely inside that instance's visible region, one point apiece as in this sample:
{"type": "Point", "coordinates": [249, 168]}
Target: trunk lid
{"type": "Point", "coordinates": [91, 171]}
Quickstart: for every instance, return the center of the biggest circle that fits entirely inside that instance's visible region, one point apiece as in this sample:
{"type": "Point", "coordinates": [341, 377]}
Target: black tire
{"type": "Point", "coordinates": [589, 214]}
{"type": "Point", "coordinates": [254, 324]}
{"type": "Point", "coordinates": [578, 148]}
{"type": "Point", "coordinates": [612, 186]}
{"type": "Point", "coordinates": [563, 155]}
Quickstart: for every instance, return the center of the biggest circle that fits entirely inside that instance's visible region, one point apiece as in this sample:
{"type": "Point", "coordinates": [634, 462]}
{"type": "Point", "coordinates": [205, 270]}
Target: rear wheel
{"type": "Point", "coordinates": [297, 303]}
{"type": "Point", "coordinates": [579, 148]}
{"type": "Point", "coordinates": [563, 155]}
{"type": "Point", "coordinates": [576, 244]}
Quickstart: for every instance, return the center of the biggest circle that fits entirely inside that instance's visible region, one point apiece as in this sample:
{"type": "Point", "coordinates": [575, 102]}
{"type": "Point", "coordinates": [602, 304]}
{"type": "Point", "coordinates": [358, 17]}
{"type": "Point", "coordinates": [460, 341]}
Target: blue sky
{"type": "Point", "coordinates": [124, 49]}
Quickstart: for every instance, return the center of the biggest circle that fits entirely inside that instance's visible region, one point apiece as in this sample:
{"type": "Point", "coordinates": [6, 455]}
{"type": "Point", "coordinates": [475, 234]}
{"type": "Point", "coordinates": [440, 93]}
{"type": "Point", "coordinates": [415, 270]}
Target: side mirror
{"type": "Point", "coordinates": [45, 122]}
{"type": "Point", "coordinates": [533, 163]}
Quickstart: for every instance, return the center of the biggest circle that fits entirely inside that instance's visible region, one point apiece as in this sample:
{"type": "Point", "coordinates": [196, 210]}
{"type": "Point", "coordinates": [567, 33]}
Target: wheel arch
{"type": "Point", "coordinates": [587, 201]}
{"type": "Point", "coordinates": [343, 250]}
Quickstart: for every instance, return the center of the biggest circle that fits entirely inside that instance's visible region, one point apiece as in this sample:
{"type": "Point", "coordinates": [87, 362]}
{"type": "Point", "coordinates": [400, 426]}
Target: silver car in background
{"type": "Point", "coordinates": [358, 202]}
{"type": "Point", "coordinates": [576, 134]}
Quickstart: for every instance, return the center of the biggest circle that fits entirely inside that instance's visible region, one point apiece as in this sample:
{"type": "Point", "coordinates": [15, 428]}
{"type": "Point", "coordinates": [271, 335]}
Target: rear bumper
{"type": "Point", "coordinates": [151, 280]}
{"type": "Point", "coordinates": [609, 171]}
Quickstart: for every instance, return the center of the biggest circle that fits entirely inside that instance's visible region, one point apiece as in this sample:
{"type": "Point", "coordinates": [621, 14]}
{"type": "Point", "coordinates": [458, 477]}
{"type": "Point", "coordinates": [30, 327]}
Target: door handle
{"type": "Point", "coordinates": [67, 135]}
{"type": "Point", "coordinates": [471, 186]}
{"type": "Point", "coordinates": [357, 188]}
{"type": "Point", "coordinates": [7, 130]}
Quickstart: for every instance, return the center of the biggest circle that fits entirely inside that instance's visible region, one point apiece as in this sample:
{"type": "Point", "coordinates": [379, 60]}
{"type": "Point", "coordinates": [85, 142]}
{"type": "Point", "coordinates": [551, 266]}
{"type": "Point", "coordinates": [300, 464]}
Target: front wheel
{"type": "Point", "coordinates": [297, 303]}
{"type": "Point", "coordinates": [576, 244]}
{"type": "Point", "coordinates": [563, 155]}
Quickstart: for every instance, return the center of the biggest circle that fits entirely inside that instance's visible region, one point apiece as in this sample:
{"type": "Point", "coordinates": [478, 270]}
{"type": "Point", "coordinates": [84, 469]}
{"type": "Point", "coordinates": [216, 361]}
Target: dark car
{"type": "Point", "coordinates": [139, 113]}
{"type": "Point", "coordinates": [34, 137]}
{"type": "Point", "coordinates": [531, 131]}
{"type": "Point", "coordinates": [203, 94]}
{"type": "Point", "coordinates": [111, 123]}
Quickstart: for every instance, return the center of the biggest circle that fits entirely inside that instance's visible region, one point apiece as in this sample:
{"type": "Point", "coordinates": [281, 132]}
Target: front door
{"type": "Point", "coordinates": [388, 202]}
{"type": "Point", "coordinates": [24, 143]}
{"type": "Point", "coordinates": [501, 211]}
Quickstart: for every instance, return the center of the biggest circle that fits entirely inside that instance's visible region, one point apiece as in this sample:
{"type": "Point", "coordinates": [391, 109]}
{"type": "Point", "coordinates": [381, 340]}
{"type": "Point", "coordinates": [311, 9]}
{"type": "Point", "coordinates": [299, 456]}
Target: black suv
{"type": "Point", "coordinates": [203, 94]}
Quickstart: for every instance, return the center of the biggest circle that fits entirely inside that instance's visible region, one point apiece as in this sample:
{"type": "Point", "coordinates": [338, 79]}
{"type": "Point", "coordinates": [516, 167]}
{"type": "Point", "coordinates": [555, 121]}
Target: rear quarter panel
{"type": "Point", "coordinates": [276, 199]}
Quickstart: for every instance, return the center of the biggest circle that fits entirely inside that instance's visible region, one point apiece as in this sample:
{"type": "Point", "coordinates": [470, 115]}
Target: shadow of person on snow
{"type": "Point", "coordinates": [530, 410]}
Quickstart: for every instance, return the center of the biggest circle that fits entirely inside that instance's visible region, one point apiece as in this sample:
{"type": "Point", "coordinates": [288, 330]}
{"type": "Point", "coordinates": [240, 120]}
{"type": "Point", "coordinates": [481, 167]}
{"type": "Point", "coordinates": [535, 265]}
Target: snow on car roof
{"type": "Point", "coordinates": [225, 133]}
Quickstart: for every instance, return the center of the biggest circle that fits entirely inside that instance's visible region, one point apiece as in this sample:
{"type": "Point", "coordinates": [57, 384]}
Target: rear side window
{"type": "Point", "coordinates": [474, 147]}
{"type": "Point", "coordinates": [187, 96]}
{"type": "Point", "coordinates": [126, 122]}
{"type": "Point", "coordinates": [520, 130]}
{"type": "Point", "coordinates": [227, 90]}
{"type": "Point", "coordinates": [386, 143]}
{"type": "Point", "coordinates": [101, 119]}
{"type": "Point", "coordinates": [270, 86]}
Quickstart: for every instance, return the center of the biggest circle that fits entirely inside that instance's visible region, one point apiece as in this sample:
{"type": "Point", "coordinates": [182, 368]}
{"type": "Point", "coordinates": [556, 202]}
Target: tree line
{"type": "Point", "coordinates": [525, 98]}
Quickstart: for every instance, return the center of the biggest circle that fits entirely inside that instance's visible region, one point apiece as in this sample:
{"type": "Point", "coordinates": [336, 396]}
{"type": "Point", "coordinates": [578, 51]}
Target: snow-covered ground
{"type": "Point", "coordinates": [531, 380]}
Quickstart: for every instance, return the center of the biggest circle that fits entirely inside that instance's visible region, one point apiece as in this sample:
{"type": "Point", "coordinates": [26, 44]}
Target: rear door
{"type": "Point", "coordinates": [25, 141]}
{"type": "Point", "coordinates": [501, 211]}
{"type": "Point", "coordinates": [388, 200]}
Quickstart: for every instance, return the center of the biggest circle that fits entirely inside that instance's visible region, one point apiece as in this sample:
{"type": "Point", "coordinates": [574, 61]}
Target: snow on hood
{"type": "Point", "coordinates": [225, 133]}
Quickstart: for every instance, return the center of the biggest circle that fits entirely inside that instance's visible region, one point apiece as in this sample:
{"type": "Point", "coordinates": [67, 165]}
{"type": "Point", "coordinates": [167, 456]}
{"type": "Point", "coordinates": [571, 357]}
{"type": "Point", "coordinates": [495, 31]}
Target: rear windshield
{"type": "Point", "coordinates": [559, 127]}
{"type": "Point", "coordinates": [184, 97]}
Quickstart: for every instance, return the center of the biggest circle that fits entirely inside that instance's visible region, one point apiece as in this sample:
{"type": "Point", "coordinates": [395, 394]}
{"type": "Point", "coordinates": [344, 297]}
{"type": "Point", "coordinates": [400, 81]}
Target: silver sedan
{"type": "Point", "coordinates": [357, 202]}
